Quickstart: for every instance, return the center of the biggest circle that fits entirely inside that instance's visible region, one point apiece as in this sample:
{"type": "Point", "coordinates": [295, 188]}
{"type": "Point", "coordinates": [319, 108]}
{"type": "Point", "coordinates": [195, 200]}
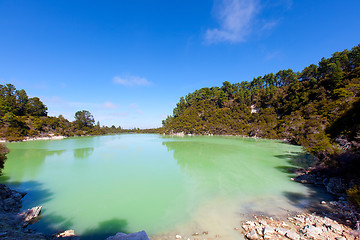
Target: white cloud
{"type": "Point", "coordinates": [131, 81]}
{"type": "Point", "coordinates": [235, 19]}
{"type": "Point", "coordinates": [110, 105]}
{"type": "Point", "coordinates": [133, 106]}
{"type": "Point", "coordinates": [269, 25]}
{"type": "Point", "coordinates": [136, 108]}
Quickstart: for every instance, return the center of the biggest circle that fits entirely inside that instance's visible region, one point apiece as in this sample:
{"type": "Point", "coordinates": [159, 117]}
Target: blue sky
{"type": "Point", "coordinates": [128, 62]}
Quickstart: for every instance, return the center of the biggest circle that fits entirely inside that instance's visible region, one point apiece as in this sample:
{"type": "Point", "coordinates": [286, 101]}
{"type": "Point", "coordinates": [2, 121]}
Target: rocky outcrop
{"type": "Point", "coordinates": [334, 185]}
{"type": "Point", "coordinates": [11, 222]}
{"type": "Point", "coordinates": [10, 200]}
{"type": "Point", "coordinates": [301, 226]}
{"type": "Point", "coordinates": [132, 236]}
{"type": "Point", "coordinates": [31, 216]}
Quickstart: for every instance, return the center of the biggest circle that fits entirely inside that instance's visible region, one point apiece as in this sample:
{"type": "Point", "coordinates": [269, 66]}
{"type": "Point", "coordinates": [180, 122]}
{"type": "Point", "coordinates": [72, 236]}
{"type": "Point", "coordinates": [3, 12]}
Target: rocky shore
{"type": "Point", "coordinates": [11, 220]}
{"type": "Point", "coordinates": [13, 223]}
{"type": "Point", "coordinates": [337, 220]}
{"type": "Point", "coordinates": [333, 220]}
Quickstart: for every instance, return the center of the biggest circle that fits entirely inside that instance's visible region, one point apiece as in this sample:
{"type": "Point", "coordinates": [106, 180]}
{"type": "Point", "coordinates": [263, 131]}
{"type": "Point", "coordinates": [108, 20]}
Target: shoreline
{"type": "Point", "coordinates": [337, 219]}
{"type": "Point", "coordinates": [182, 134]}
{"type": "Point", "coordinates": [27, 139]}
{"type": "Point", "coordinates": [44, 138]}
{"type": "Point", "coordinates": [294, 224]}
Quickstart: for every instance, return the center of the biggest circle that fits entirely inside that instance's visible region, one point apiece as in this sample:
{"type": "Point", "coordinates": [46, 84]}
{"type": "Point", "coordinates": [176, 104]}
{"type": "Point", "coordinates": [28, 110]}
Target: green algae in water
{"type": "Point", "coordinates": [101, 185]}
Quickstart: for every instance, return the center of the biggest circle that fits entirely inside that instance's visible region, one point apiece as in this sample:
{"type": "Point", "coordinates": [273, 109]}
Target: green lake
{"type": "Point", "coordinates": [164, 185]}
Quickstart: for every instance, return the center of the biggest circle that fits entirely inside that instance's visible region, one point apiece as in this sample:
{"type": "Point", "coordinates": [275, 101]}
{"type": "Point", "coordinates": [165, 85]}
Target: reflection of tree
{"type": "Point", "coordinates": [226, 165]}
{"type": "Point", "coordinates": [82, 153]}
{"type": "Point", "coordinates": [105, 229]}
{"type": "Point", "coordinates": [27, 161]}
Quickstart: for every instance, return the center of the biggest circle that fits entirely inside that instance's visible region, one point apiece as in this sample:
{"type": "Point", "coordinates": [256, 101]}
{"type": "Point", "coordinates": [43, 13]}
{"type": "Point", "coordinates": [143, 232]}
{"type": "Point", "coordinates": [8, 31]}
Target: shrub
{"type": "Point", "coordinates": [354, 195]}
{"type": "Point", "coordinates": [3, 151]}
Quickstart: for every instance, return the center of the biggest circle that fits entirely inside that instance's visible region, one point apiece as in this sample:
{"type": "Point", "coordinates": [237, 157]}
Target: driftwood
{"type": "Point", "coordinates": [30, 216]}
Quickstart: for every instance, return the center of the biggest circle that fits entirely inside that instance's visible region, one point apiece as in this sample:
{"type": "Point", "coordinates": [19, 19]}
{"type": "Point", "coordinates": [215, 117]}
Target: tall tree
{"type": "Point", "coordinates": [36, 108]}
{"type": "Point", "coordinates": [84, 119]}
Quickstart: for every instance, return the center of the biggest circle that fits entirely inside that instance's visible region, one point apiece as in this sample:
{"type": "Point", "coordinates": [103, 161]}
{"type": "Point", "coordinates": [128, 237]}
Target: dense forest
{"type": "Point", "coordinates": [22, 117]}
{"type": "Point", "coordinates": [317, 108]}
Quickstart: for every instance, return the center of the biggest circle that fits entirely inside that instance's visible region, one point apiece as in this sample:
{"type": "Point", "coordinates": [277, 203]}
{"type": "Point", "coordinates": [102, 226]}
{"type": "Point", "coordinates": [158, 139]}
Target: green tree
{"type": "Point", "coordinates": [3, 151]}
{"type": "Point", "coordinates": [21, 102]}
{"type": "Point", "coordinates": [36, 108]}
{"type": "Point", "coordinates": [84, 120]}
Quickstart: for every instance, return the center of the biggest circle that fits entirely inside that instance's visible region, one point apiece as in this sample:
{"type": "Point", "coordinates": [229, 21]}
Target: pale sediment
{"type": "Point", "coordinates": [319, 226]}
{"type": "Point", "coordinates": [44, 138]}
{"type": "Point", "coordinates": [37, 138]}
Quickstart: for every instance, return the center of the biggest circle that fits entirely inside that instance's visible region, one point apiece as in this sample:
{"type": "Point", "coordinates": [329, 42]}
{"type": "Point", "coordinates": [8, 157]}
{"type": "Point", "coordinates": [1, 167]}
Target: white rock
{"type": "Point", "coordinates": [67, 233]}
{"type": "Point", "coordinates": [263, 222]}
{"type": "Point", "coordinates": [281, 231]}
{"type": "Point", "coordinates": [300, 219]}
{"type": "Point", "coordinates": [336, 227]}
{"type": "Point", "coordinates": [252, 235]}
{"type": "Point", "coordinates": [284, 224]}
{"type": "Point", "coordinates": [312, 231]}
{"type": "Point", "coordinates": [132, 236]}
{"type": "Point", "coordinates": [292, 235]}
{"type": "Point", "coordinates": [268, 230]}
{"type": "Point", "coordinates": [340, 238]}
{"type": "Point", "coordinates": [250, 223]}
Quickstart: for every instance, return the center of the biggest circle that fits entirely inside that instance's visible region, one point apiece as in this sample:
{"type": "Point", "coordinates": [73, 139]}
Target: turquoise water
{"type": "Point", "coordinates": [164, 185]}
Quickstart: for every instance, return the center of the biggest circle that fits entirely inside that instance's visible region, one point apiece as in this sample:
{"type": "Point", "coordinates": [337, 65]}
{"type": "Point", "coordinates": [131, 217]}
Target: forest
{"type": "Point", "coordinates": [317, 108]}
{"type": "Point", "coordinates": [22, 117]}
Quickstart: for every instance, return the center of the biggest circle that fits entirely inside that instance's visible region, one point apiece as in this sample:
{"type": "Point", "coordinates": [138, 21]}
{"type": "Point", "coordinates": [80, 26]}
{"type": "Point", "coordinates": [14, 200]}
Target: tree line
{"type": "Point", "coordinates": [21, 117]}
{"type": "Point", "coordinates": [317, 108]}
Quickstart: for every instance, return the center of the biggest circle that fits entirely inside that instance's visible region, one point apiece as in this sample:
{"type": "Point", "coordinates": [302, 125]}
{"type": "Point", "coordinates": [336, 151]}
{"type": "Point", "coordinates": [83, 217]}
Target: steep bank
{"type": "Point", "coordinates": [11, 221]}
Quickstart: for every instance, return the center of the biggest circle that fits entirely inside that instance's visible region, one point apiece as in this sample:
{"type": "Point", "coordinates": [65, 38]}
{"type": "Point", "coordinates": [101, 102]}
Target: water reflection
{"type": "Point", "coordinates": [83, 153]}
{"type": "Point", "coordinates": [105, 184]}
{"type": "Point", "coordinates": [105, 229]}
{"type": "Point", "coordinates": [26, 163]}
{"type": "Point", "coordinates": [227, 165]}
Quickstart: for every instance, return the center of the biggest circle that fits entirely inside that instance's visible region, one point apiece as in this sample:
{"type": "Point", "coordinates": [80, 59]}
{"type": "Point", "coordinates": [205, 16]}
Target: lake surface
{"type": "Point", "coordinates": [164, 185]}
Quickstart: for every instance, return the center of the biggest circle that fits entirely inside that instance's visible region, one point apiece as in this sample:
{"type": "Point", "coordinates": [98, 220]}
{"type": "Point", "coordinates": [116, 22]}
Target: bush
{"type": "Point", "coordinates": [354, 195]}
{"type": "Point", "coordinates": [3, 151]}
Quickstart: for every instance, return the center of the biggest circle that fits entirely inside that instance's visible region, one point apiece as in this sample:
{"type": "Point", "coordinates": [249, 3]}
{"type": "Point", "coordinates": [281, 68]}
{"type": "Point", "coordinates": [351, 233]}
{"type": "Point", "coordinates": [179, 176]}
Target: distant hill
{"type": "Point", "coordinates": [317, 108]}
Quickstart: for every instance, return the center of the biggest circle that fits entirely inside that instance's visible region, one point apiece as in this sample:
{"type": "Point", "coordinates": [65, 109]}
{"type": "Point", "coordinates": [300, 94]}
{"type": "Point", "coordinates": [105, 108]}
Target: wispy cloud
{"type": "Point", "coordinates": [110, 105]}
{"type": "Point", "coordinates": [239, 19]}
{"type": "Point", "coordinates": [269, 25]}
{"type": "Point", "coordinates": [133, 106]}
{"type": "Point", "coordinates": [235, 18]}
{"type": "Point", "coordinates": [131, 81]}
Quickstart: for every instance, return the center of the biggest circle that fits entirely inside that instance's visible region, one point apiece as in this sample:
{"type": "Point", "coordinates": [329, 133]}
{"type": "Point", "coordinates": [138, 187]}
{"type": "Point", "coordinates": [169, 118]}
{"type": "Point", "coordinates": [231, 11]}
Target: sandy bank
{"type": "Point", "coordinates": [44, 138]}
{"type": "Point", "coordinates": [37, 138]}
